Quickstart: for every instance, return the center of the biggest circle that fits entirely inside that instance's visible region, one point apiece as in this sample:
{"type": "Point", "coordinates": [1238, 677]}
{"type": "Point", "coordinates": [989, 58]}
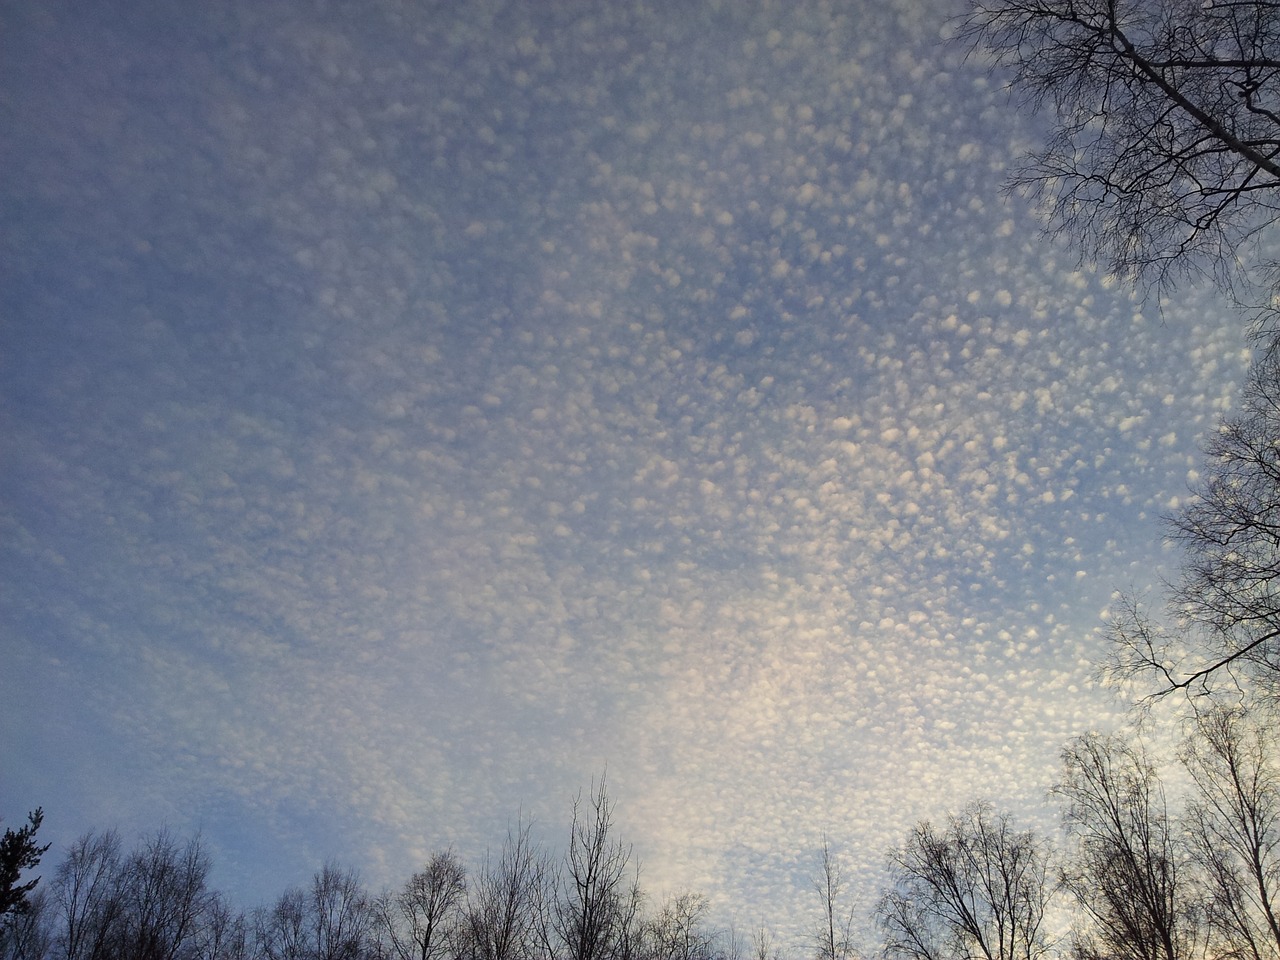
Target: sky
{"type": "Point", "coordinates": [411, 411]}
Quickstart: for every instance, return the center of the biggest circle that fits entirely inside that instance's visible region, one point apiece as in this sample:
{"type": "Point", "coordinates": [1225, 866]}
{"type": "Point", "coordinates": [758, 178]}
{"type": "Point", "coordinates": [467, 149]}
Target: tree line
{"type": "Point", "coordinates": [1135, 874]}
{"type": "Point", "coordinates": [155, 902]}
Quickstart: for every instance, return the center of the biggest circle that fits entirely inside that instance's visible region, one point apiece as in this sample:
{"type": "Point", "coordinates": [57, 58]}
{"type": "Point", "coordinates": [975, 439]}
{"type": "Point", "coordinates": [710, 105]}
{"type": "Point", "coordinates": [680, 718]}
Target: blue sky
{"type": "Point", "coordinates": [410, 410]}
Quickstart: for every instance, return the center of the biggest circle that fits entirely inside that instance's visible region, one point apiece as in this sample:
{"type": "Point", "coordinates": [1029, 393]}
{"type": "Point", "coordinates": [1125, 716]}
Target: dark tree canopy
{"type": "Point", "coordinates": [19, 852]}
{"type": "Point", "coordinates": [1165, 150]}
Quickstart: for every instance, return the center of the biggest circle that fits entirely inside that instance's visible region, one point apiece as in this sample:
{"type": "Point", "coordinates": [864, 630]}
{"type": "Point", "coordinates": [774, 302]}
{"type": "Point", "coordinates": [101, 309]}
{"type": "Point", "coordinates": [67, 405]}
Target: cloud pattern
{"type": "Point", "coordinates": [411, 411]}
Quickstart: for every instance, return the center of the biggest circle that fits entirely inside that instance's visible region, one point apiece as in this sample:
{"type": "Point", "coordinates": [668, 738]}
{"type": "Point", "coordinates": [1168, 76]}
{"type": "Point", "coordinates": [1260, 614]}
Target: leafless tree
{"type": "Point", "coordinates": [763, 945]}
{"type": "Point", "coordinates": [164, 889]}
{"type": "Point", "coordinates": [1234, 829]}
{"type": "Point", "coordinates": [147, 905]}
{"type": "Point", "coordinates": [679, 930]}
{"type": "Point", "coordinates": [1126, 874]}
{"type": "Point", "coordinates": [506, 913]}
{"type": "Point", "coordinates": [977, 889]}
{"type": "Point", "coordinates": [1225, 606]}
{"type": "Point", "coordinates": [731, 945]}
{"type": "Point", "coordinates": [29, 933]}
{"type": "Point", "coordinates": [332, 919]}
{"type": "Point", "coordinates": [280, 933]}
{"type": "Point", "coordinates": [225, 933]}
{"type": "Point", "coordinates": [86, 896]}
{"type": "Point", "coordinates": [630, 938]}
{"type": "Point", "coordinates": [833, 938]}
{"type": "Point", "coordinates": [421, 920]}
{"type": "Point", "coordinates": [343, 915]}
{"type": "Point", "coordinates": [1164, 152]}
{"type": "Point", "coordinates": [1231, 537]}
{"type": "Point", "coordinates": [597, 907]}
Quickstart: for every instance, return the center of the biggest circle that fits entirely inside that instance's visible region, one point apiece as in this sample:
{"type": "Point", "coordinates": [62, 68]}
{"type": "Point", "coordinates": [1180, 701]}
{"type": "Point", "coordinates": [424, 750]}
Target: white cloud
{"type": "Point", "coordinates": [476, 440]}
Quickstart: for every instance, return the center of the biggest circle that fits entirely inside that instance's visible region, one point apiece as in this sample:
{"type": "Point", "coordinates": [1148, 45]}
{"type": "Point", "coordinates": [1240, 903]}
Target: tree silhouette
{"type": "Point", "coordinates": [976, 890]}
{"type": "Point", "coordinates": [1225, 605]}
{"type": "Point", "coordinates": [1165, 151]}
{"type": "Point", "coordinates": [19, 852]}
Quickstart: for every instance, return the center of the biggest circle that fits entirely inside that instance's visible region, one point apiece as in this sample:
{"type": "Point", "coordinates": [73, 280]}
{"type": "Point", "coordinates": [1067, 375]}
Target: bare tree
{"type": "Point", "coordinates": [506, 906]}
{"type": "Point", "coordinates": [598, 901]}
{"type": "Point", "coordinates": [630, 937]}
{"type": "Point", "coordinates": [978, 889]}
{"type": "Point", "coordinates": [679, 930]}
{"type": "Point", "coordinates": [1126, 873]}
{"type": "Point", "coordinates": [29, 933]}
{"type": "Point", "coordinates": [163, 886]}
{"type": "Point", "coordinates": [225, 933]}
{"type": "Point", "coordinates": [343, 915]}
{"type": "Point", "coordinates": [1164, 154]}
{"type": "Point", "coordinates": [332, 919]}
{"type": "Point", "coordinates": [1234, 830]}
{"type": "Point", "coordinates": [1231, 538]}
{"type": "Point", "coordinates": [1226, 603]}
{"type": "Point", "coordinates": [87, 900]}
{"type": "Point", "coordinates": [421, 920]}
{"type": "Point", "coordinates": [152, 903]}
{"type": "Point", "coordinates": [281, 932]}
{"type": "Point", "coordinates": [763, 945]}
{"type": "Point", "coordinates": [731, 945]}
{"type": "Point", "coordinates": [833, 938]}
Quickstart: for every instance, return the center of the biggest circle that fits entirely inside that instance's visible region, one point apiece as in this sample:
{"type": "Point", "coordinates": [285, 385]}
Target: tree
{"type": "Point", "coordinates": [763, 946]}
{"type": "Point", "coordinates": [342, 915]}
{"type": "Point", "coordinates": [19, 852]}
{"type": "Point", "coordinates": [87, 899]}
{"type": "Point", "coordinates": [1233, 826]}
{"type": "Point", "coordinates": [225, 934]}
{"type": "Point", "coordinates": [152, 904]}
{"type": "Point", "coordinates": [1126, 874]}
{"type": "Point", "coordinates": [332, 919]}
{"type": "Point", "coordinates": [28, 934]}
{"type": "Point", "coordinates": [833, 937]}
{"type": "Point", "coordinates": [281, 932]}
{"type": "Point", "coordinates": [421, 920]}
{"type": "Point", "coordinates": [978, 889]}
{"type": "Point", "coordinates": [1231, 538]}
{"type": "Point", "coordinates": [598, 901]}
{"type": "Point", "coordinates": [1164, 153]}
{"type": "Point", "coordinates": [506, 907]}
{"type": "Point", "coordinates": [679, 930]}
{"type": "Point", "coordinates": [1226, 604]}
{"type": "Point", "coordinates": [1163, 157]}
{"type": "Point", "coordinates": [163, 890]}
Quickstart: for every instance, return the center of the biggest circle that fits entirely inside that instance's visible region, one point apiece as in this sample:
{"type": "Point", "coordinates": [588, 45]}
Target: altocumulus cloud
{"type": "Point", "coordinates": [410, 412]}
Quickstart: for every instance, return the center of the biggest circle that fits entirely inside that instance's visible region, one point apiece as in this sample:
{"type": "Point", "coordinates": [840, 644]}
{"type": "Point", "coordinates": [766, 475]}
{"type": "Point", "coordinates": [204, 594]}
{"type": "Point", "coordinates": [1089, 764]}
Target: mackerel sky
{"type": "Point", "coordinates": [411, 409]}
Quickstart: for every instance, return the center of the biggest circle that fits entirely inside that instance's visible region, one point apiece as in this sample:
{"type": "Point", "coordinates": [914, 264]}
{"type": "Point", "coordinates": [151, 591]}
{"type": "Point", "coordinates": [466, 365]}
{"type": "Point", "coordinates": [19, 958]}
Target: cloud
{"type": "Point", "coordinates": [447, 406]}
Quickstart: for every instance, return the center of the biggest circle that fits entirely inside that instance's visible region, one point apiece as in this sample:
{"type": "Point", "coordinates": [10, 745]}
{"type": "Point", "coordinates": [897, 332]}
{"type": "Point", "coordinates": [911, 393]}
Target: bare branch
{"type": "Point", "coordinates": [1167, 117]}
